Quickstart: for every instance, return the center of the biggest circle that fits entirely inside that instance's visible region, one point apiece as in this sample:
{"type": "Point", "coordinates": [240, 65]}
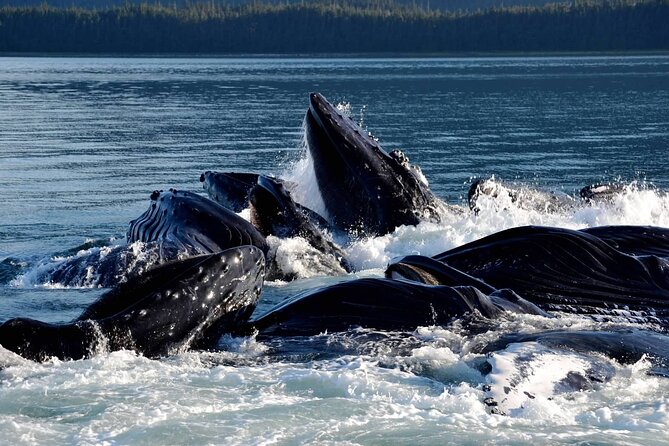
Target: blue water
{"type": "Point", "coordinates": [84, 141]}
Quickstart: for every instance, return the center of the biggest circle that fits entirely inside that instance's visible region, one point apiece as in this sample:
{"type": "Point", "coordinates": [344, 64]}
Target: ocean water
{"type": "Point", "coordinates": [84, 141]}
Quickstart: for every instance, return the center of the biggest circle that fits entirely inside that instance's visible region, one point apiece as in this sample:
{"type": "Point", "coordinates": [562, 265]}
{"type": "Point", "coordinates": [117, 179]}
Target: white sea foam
{"type": "Point", "coordinates": [633, 206]}
{"type": "Point", "coordinates": [213, 397]}
{"type": "Point", "coordinates": [296, 258]}
{"type": "Point", "coordinates": [306, 192]}
{"type": "Point", "coordinates": [528, 371]}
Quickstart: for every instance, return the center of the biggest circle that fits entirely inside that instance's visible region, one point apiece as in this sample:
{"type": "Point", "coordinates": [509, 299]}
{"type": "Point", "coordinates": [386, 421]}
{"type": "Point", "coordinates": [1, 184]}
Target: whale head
{"type": "Point", "coordinates": [365, 189]}
{"type": "Point", "coordinates": [229, 189]}
{"type": "Point", "coordinates": [181, 304]}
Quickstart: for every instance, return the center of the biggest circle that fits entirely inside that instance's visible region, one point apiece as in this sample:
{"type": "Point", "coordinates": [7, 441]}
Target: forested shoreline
{"type": "Point", "coordinates": [361, 27]}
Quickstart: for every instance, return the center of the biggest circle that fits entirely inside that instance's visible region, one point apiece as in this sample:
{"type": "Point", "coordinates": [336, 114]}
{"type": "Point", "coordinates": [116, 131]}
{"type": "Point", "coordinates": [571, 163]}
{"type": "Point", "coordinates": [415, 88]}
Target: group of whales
{"type": "Point", "coordinates": [202, 266]}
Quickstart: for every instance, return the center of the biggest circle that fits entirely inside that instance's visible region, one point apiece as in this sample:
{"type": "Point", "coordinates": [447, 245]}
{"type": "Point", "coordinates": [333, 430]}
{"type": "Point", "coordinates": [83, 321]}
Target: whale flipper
{"type": "Point", "coordinates": [527, 366]}
{"type": "Point", "coordinates": [625, 345]}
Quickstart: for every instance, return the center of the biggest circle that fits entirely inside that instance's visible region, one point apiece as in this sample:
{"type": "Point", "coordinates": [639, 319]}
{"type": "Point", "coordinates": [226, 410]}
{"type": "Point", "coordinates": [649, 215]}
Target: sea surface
{"type": "Point", "coordinates": [84, 142]}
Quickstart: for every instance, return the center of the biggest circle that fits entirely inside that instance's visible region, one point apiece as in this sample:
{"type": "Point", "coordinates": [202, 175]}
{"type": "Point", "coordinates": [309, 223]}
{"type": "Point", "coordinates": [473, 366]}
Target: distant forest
{"type": "Point", "coordinates": [442, 5]}
{"type": "Point", "coordinates": [369, 26]}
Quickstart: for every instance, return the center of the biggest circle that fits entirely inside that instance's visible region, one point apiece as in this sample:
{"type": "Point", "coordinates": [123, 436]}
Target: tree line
{"type": "Point", "coordinates": [335, 27]}
{"type": "Point", "coordinates": [444, 5]}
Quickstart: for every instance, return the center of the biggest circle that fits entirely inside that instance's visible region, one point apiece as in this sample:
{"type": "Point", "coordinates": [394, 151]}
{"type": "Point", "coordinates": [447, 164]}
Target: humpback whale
{"type": "Point", "coordinates": [108, 265]}
{"type": "Point", "coordinates": [625, 345]}
{"type": "Point", "coordinates": [533, 198]}
{"type": "Point", "coordinates": [193, 223]}
{"type": "Point", "coordinates": [556, 269]}
{"type": "Point", "coordinates": [384, 304]}
{"type": "Point", "coordinates": [600, 191]}
{"type": "Point", "coordinates": [523, 196]}
{"type": "Point", "coordinates": [189, 303]}
{"type": "Point", "coordinates": [365, 190]}
{"type": "Point", "coordinates": [274, 212]}
{"type": "Point", "coordinates": [634, 240]}
{"type": "Point", "coordinates": [168, 309]}
{"type": "Point", "coordinates": [229, 189]}
{"type": "Point", "coordinates": [233, 190]}
{"type": "Point", "coordinates": [177, 224]}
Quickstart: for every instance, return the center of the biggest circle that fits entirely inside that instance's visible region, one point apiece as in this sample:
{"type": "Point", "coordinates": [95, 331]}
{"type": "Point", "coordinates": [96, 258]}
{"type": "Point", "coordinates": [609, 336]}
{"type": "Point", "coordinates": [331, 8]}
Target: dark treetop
{"type": "Point", "coordinates": [342, 27]}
